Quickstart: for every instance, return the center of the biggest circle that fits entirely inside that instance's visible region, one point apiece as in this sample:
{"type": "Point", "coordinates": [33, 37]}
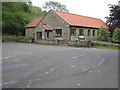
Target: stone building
{"type": "Point", "coordinates": [57, 25]}
{"type": "Point", "coordinates": [31, 26]}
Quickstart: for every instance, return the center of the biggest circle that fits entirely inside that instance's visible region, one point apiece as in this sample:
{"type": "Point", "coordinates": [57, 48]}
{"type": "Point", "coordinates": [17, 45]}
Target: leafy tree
{"type": "Point", "coordinates": [50, 5]}
{"type": "Point", "coordinates": [114, 18]}
{"type": "Point", "coordinates": [116, 35]}
{"type": "Point", "coordinates": [15, 15]}
{"type": "Point", "coordinates": [103, 34]}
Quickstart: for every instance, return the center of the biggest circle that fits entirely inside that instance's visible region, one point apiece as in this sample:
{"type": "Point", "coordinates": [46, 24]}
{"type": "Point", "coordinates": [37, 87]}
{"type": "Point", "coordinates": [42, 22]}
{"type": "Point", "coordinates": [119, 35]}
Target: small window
{"type": "Point", "coordinates": [58, 32]}
{"type": "Point", "coordinates": [73, 32]}
{"type": "Point", "coordinates": [93, 32]}
{"type": "Point", "coordinates": [81, 32]}
{"type": "Point", "coordinates": [89, 32]}
{"type": "Point", "coordinates": [47, 34]}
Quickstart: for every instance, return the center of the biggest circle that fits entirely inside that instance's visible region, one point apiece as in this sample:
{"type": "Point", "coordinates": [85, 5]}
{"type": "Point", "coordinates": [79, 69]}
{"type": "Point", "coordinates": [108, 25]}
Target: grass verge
{"type": "Point", "coordinates": [107, 47]}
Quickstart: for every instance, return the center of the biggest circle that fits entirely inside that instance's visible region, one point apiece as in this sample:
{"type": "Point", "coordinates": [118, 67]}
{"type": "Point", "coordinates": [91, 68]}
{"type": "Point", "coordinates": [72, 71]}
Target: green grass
{"type": "Point", "coordinates": [107, 47]}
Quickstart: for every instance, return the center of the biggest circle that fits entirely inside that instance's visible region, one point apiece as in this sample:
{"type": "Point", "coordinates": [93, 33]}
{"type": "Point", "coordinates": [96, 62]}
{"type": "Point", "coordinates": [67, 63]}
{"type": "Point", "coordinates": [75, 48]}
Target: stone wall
{"type": "Point", "coordinates": [24, 40]}
{"type": "Point", "coordinates": [69, 43]}
{"type": "Point", "coordinates": [81, 43]}
{"type": "Point", "coordinates": [29, 32]}
{"type": "Point", "coordinates": [49, 42]}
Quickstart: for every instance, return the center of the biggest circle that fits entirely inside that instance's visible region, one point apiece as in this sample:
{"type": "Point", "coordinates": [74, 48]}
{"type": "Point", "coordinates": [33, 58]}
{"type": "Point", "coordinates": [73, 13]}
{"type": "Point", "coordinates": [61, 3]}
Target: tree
{"type": "Point", "coordinates": [15, 15]}
{"type": "Point", "coordinates": [116, 35]}
{"type": "Point", "coordinates": [50, 5]}
{"type": "Point", "coordinates": [103, 34]}
{"type": "Point", "coordinates": [114, 18]}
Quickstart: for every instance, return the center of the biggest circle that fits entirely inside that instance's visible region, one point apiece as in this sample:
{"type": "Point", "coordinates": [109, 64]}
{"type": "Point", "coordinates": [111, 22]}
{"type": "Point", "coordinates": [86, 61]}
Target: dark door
{"type": "Point", "coordinates": [39, 35]}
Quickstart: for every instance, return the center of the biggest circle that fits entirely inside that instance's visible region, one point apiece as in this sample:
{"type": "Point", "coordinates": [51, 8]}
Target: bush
{"type": "Point", "coordinates": [20, 37]}
{"type": "Point", "coordinates": [103, 34]}
{"type": "Point", "coordinates": [116, 35]}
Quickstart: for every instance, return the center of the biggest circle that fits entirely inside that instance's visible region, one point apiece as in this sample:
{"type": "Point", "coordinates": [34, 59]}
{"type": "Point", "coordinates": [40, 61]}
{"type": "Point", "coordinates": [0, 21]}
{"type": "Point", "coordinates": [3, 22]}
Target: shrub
{"type": "Point", "coordinates": [103, 34]}
{"type": "Point", "coordinates": [116, 35]}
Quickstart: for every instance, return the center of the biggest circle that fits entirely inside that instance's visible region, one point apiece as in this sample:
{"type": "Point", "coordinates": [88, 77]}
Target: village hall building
{"type": "Point", "coordinates": [57, 25]}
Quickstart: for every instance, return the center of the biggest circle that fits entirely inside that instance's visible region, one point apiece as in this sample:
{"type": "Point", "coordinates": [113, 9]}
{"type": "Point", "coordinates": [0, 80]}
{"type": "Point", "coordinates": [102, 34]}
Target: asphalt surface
{"type": "Point", "coordinates": [27, 65]}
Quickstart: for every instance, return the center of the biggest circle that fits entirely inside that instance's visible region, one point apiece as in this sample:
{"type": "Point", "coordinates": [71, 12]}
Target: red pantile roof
{"type": "Point", "coordinates": [46, 27]}
{"type": "Point", "coordinates": [78, 20]}
{"type": "Point", "coordinates": [35, 22]}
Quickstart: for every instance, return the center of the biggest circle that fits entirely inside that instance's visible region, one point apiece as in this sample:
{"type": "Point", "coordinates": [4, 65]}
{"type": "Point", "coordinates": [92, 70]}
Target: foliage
{"type": "Point", "coordinates": [114, 18]}
{"type": "Point", "coordinates": [15, 15]}
{"type": "Point", "coordinates": [50, 5]}
{"type": "Point", "coordinates": [116, 35]}
{"type": "Point", "coordinates": [103, 34]}
{"type": "Point", "coordinates": [107, 47]}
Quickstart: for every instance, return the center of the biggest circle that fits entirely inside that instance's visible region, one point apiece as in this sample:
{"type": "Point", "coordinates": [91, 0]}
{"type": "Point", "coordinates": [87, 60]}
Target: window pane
{"type": "Point", "coordinates": [81, 32]}
{"type": "Point", "coordinates": [47, 34]}
{"type": "Point", "coordinates": [93, 32]}
{"type": "Point", "coordinates": [73, 32]}
{"type": "Point", "coordinates": [58, 32]}
{"type": "Point", "coordinates": [89, 33]}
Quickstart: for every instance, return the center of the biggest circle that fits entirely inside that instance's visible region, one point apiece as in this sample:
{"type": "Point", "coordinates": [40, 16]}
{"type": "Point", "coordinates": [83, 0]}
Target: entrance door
{"type": "Point", "coordinates": [39, 35]}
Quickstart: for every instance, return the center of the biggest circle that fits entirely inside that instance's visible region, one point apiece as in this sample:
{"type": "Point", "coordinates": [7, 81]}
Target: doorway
{"type": "Point", "coordinates": [39, 35]}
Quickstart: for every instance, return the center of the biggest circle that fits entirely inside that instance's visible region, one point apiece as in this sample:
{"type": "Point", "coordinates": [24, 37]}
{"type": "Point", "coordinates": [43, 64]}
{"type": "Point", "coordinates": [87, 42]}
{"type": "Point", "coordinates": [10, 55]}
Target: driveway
{"type": "Point", "coordinates": [28, 65]}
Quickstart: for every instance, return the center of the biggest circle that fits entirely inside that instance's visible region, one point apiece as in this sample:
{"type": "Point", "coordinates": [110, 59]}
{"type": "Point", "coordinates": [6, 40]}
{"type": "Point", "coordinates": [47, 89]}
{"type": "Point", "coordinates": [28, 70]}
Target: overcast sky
{"type": "Point", "coordinates": [93, 8]}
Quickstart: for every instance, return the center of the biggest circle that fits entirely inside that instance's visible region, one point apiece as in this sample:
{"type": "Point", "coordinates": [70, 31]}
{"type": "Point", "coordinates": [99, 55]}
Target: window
{"type": "Point", "coordinates": [73, 32]}
{"type": "Point", "coordinates": [47, 34]}
{"type": "Point", "coordinates": [93, 32]}
{"type": "Point", "coordinates": [89, 32]}
{"type": "Point", "coordinates": [81, 32]}
{"type": "Point", "coordinates": [58, 32]}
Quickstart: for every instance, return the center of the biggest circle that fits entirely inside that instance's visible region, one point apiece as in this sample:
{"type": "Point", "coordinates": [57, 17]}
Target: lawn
{"type": "Point", "coordinates": [107, 47]}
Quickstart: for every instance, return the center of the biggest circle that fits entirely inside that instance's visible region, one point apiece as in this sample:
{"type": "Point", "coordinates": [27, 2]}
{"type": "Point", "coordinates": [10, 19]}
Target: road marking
{"type": "Point", "coordinates": [85, 69]}
{"type": "Point", "coordinates": [98, 71]}
{"type": "Point", "coordinates": [74, 57]}
{"type": "Point", "coordinates": [5, 83]}
{"type": "Point", "coordinates": [51, 69]}
{"type": "Point", "coordinates": [37, 79]}
{"type": "Point", "coordinates": [46, 72]}
{"type": "Point", "coordinates": [78, 84]}
{"type": "Point", "coordinates": [45, 60]}
{"type": "Point", "coordinates": [90, 71]}
{"type": "Point", "coordinates": [7, 57]}
{"type": "Point", "coordinates": [28, 86]}
{"type": "Point", "coordinates": [16, 60]}
{"type": "Point", "coordinates": [73, 66]}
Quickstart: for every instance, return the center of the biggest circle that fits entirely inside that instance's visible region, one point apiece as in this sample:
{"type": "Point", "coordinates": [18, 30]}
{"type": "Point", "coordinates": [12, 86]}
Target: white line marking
{"type": "Point", "coordinates": [46, 72]}
{"type": "Point", "coordinates": [7, 57]}
{"type": "Point", "coordinates": [44, 60]}
{"type": "Point", "coordinates": [73, 66]}
{"type": "Point", "coordinates": [37, 79]}
{"type": "Point", "coordinates": [74, 57]}
{"type": "Point", "coordinates": [78, 84]}
{"type": "Point", "coordinates": [51, 69]}
{"type": "Point", "coordinates": [16, 60]}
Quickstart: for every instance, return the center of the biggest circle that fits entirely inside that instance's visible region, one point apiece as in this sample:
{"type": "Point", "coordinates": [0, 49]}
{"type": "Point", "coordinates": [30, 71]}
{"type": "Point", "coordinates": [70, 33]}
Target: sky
{"type": "Point", "coordinates": [92, 8]}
